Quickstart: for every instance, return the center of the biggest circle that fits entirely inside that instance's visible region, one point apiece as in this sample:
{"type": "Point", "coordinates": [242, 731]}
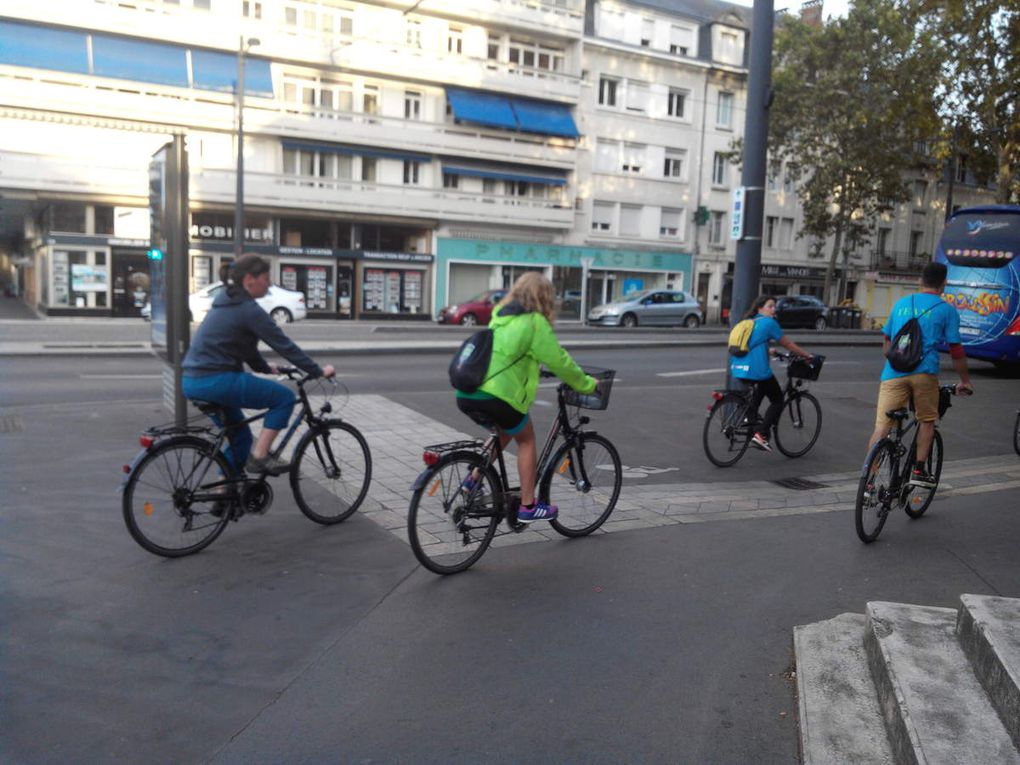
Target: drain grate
{"type": "Point", "coordinates": [10, 423]}
{"type": "Point", "coordinates": [800, 484]}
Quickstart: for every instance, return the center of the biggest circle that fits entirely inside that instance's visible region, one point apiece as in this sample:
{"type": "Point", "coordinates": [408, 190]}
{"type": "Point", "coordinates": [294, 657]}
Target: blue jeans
{"type": "Point", "coordinates": [235, 391]}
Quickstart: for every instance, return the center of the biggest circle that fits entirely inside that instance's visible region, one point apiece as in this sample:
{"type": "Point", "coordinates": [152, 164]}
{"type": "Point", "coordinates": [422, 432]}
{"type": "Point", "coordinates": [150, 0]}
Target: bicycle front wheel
{"type": "Point", "coordinates": [798, 425]}
{"type": "Point", "coordinates": [449, 524]}
{"type": "Point", "coordinates": [175, 502]}
{"type": "Point", "coordinates": [875, 492]}
{"type": "Point", "coordinates": [330, 472]}
{"type": "Point", "coordinates": [918, 499]}
{"type": "Point", "coordinates": [583, 480]}
{"type": "Point", "coordinates": [727, 434]}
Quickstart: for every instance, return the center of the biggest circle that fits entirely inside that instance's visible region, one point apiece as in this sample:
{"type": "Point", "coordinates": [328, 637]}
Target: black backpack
{"type": "Point", "coordinates": [906, 349]}
{"type": "Point", "coordinates": [471, 362]}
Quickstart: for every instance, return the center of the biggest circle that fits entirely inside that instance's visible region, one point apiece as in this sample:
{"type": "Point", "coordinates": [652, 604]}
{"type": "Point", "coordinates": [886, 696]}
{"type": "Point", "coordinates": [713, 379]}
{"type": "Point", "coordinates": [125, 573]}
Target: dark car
{"type": "Point", "coordinates": [477, 310]}
{"type": "Point", "coordinates": [802, 311]}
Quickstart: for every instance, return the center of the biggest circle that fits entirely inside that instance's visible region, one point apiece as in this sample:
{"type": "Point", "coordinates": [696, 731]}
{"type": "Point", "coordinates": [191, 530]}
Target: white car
{"type": "Point", "coordinates": [283, 305]}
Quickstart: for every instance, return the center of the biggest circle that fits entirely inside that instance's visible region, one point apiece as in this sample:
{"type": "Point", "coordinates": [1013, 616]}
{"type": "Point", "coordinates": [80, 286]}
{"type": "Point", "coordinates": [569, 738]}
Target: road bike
{"type": "Point", "coordinates": [732, 420]}
{"type": "Point", "coordinates": [452, 521]}
{"type": "Point", "coordinates": [181, 492]}
{"type": "Point", "coordinates": [884, 485]}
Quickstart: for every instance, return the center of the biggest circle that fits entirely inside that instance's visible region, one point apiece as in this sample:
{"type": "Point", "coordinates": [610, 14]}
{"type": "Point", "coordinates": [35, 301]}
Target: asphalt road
{"type": "Point", "coordinates": [287, 642]}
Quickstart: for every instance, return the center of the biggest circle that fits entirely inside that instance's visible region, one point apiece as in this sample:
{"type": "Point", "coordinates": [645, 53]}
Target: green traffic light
{"type": "Point", "coordinates": [155, 254]}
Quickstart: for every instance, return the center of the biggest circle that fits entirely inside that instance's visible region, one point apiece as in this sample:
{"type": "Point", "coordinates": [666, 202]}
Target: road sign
{"type": "Point", "coordinates": [737, 229]}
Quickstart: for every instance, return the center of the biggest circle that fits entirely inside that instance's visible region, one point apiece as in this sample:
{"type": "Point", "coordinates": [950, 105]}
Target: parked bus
{"type": "Point", "coordinates": [981, 248]}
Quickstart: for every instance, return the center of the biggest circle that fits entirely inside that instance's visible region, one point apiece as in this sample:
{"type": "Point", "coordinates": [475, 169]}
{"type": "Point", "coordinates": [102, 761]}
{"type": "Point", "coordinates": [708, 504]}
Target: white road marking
{"type": "Point", "coordinates": [120, 377]}
{"type": "Point", "coordinates": [691, 372]}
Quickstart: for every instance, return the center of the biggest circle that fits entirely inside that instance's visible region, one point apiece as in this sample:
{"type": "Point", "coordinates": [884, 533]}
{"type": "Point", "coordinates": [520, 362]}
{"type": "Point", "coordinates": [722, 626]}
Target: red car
{"type": "Point", "coordinates": [477, 310]}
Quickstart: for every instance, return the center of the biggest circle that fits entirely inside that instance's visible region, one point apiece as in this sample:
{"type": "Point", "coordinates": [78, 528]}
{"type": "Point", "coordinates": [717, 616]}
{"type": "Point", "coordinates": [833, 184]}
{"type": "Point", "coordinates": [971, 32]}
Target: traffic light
{"type": "Point", "coordinates": [155, 254]}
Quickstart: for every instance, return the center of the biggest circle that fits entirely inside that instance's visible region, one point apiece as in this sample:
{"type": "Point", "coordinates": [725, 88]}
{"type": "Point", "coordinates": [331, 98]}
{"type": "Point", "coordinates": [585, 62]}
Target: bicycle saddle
{"type": "Point", "coordinates": [207, 407]}
{"type": "Point", "coordinates": [897, 414]}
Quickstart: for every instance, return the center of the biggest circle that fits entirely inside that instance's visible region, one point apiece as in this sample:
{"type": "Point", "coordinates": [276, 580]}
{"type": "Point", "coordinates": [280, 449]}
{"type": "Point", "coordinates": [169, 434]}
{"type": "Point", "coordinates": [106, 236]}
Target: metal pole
{"type": "Point", "coordinates": [747, 269]}
{"type": "Point", "coordinates": [239, 201]}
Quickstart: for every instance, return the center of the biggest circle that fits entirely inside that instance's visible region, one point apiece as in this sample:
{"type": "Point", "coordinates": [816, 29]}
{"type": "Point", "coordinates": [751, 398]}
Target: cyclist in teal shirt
{"type": "Point", "coordinates": [754, 369]}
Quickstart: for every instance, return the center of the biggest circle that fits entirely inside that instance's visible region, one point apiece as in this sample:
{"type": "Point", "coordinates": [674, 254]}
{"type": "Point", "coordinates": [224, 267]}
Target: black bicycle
{"type": "Point", "coordinates": [732, 421]}
{"type": "Point", "coordinates": [884, 485]}
{"type": "Point", "coordinates": [180, 492]}
{"type": "Point", "coordinates": [451, 521]}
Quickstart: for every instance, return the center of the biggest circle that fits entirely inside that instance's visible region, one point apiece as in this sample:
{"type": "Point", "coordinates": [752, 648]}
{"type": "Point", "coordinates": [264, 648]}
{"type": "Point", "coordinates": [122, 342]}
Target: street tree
{"type": "Point", "coordinates": [853, 100]}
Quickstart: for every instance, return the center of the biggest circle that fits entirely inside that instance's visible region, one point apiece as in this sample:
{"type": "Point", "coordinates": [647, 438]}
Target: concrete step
{"type": "Point", "coordinates": [840, 720]}
{"type": "Point", "coordinates": [988, 629]}
{"type": "Point", "coordinates": [934, 707]}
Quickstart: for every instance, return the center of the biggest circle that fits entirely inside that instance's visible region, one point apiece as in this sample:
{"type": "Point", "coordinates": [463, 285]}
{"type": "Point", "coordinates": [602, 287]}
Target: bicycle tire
{"type": "Point", "coordinates": [874, 497]}
{"type": "Point", "coordinates": [1016, 434]}
{"type": "Point", "coordinates": [571, 481]}
{"type": "Point", "coordinates": [725, 438]}
{"type": "Point", "coordinates": [795, 420]}
{"type": "Point", "coordinates": [918, 500]}
{"type": "Point", "coordinates": [342, 483]}
{"type": "Point", "coordinates": [439, 528]}
{"type": "Point", "coordinates": [155, 499]}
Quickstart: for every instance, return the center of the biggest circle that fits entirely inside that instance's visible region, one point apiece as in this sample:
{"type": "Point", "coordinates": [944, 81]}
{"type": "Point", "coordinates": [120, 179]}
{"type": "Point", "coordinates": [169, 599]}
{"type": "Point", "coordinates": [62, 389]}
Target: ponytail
{"type": "Point", "coordinates": [756, 306]}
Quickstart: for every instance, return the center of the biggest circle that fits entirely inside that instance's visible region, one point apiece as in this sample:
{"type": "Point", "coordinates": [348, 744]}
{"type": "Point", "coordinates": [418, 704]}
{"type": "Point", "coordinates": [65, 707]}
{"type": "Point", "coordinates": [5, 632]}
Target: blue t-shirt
{"type": "Point", "coordinates": [938, 325]}
{"type": "Point", "coordinates": [755, 365]}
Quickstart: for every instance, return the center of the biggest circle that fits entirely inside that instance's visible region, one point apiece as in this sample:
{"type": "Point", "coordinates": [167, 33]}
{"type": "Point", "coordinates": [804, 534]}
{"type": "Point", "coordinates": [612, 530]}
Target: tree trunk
{"type": "Point", "coordinates": [830, 269]}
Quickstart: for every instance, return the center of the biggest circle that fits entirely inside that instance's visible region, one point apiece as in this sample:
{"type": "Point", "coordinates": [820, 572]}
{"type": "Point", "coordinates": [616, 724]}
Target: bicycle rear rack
{"type": "Point", "coordinates": [454, 446]}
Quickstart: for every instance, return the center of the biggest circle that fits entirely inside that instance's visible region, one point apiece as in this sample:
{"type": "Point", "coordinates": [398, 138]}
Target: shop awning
{"type": "Point", "coordinates": [482, 108]}
{"type": "Point", "coordinates": [499, 175]}
{"type": "Point", "coordinates": [545, 118]}
{"type": "Point", "coordinates": [361, 151]}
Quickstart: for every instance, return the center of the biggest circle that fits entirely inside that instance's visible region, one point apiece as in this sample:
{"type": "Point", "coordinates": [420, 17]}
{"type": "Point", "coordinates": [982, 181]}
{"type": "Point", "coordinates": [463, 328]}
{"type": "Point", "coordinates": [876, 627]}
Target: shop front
{"type": "Point", "coordinates": [323, 275]}
{"type": "Point", "coordinates": [90, 275]}
{"type": "Point", "coordinates": [778, 280]}
{"type": "Point", "coordinates": [393, 284]}
{"type": "Point", "coordinates": [582, 277]}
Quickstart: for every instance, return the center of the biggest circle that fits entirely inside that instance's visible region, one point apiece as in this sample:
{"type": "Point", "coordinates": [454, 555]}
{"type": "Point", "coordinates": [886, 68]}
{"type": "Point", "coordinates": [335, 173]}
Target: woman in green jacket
{"type": "Point", "coordinates": [523, 338]}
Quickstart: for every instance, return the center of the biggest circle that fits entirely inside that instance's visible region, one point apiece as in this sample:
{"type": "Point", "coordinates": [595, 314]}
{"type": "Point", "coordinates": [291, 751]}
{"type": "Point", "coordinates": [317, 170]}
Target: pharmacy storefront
{"type": "Point", "coordinates": [467, 267]}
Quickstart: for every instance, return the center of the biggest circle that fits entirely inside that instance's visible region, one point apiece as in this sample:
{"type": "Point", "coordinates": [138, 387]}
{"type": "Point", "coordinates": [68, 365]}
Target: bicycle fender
{"type": "Point", "coordinates": [422, 479]}
{"type": "Point", "coordinates": [129, 469]}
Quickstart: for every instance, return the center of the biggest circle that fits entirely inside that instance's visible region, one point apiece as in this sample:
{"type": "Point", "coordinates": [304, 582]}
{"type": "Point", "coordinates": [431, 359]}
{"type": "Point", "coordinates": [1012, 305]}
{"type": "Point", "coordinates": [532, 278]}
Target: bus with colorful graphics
{"type": "Point", "coordinates": [981, 248]}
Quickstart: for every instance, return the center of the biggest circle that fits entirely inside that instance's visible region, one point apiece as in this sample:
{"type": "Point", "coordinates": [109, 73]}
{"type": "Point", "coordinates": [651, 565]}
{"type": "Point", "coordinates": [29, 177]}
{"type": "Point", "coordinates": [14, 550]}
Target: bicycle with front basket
{"type": "Point", "coordinates": [884, 485]}
{"type": "Point", "coordinates": [180, 492]}
{"type": "Point", "coordinates": [450, 527]}
{"type": "Point", "coordinates": [732, 421]}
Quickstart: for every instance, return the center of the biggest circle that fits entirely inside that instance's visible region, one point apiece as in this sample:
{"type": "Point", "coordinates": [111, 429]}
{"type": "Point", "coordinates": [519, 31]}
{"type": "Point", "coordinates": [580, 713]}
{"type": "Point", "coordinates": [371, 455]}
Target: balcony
{"type": "Point", "coordinates": [214, 185]}
{"type": "Point", "coordinates": [892, 260]}
{"type": "Point", "coordinates": [74, 175]}
{"type": "Point", "coordinates": [172, 108]}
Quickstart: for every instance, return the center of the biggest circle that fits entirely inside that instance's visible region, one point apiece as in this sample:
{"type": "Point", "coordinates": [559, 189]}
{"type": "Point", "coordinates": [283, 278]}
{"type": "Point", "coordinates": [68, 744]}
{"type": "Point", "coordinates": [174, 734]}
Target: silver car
{"type": "Point", "coordinates": [649, 307]}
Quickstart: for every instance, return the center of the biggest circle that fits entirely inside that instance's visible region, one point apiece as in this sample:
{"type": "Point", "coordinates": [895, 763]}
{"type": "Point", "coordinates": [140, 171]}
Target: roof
{"type": "Point", "coordinates": [699, 10]}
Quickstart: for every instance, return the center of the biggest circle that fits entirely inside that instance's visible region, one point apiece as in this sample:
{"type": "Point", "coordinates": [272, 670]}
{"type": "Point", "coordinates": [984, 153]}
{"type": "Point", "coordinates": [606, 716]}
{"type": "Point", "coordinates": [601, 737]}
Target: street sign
{"type": "Point", "coordinates": [737, 216]}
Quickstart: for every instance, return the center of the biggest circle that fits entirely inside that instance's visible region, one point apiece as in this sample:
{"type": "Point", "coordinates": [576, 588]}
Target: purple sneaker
{"type": "Point", "coordinates": [537, 512]}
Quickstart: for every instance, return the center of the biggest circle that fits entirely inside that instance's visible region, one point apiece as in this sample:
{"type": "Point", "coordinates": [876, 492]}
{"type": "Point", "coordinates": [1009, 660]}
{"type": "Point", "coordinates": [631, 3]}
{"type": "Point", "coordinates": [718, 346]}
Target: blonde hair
{"type": "Point", "coordinates": [535, 294]}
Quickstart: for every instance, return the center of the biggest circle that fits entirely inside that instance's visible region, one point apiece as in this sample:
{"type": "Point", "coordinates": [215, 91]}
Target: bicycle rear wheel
{"type": "Point", "coordinates": [583, 480]}
{"type": "Point", "coordinates": [918, 499]}
{"type": "Point", "coordinates": [450, 527]}
{"type": "Point", "coordinates": [798, 425]}
{"type": "Point", "coordinates": [726, 435]}
{"type": "Point", "coordinates": [330, 472]}
{"type": "Point", "coordinates": [875, 491]}
{"type": "Point", "coordinates": [170, 498]}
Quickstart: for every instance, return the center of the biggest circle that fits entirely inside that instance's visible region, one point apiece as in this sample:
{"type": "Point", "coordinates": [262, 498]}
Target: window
{"type": "Point", "coordinates": [370, 100]}
{"type": "Point", "coordinates": [961, 169]}
{"type": "Point", "coordinates": [772, 177]}
{"type": "Point", "coordinates": [883, 240]}
{"type": "Point", "coordinates": [788, 181]}
{"type": "Point", "coordinates": [715, 227]}
{"type": "Point", "coordinates": [771, 226]}
{"type": "Point", "coordinates": [647, 32]}
{"type": "Point", "coordinates": [602, 216]}
{"type": "Point", "coordinates": [786, 233]}
{"type": "Point", "coordinates": [669, 223]}
{"type": "Point", "coordinates": [493, 49]}
{"type": "Point", "coordinates": [719, 169]}
{"type": "Point", "coordinates": [451, 181]}
{"type": "Point", "coordinates": [488, 186]}
{"type": "Point", "coordinates": [638, 96]}
{"type": "Point", "coordinates": [724, 110]}
{"type": "Point", "coordinates": [677, 103]}
{"type": "Point", "coordinates": [674, 165]}
{"type": "Point", "coordinates": [201, 5]}
{"type": "Point", "coordinates": [251, 9]}
{"type": "Point", "coordinates": [607, 156]}
{"type": "Point", "coordinates": [368, 169]}
{"type": "Point", "coordinates": [633, 157]}
{"type": "Point", "coordinates": [729, 48]}
{"type": "Point", "coordinates": [455, 40]}
{"type": "Point", "coordinates": [915, 242]}
{"type": "Point", "coordinates": [607, 91]}
{"type": "Point", "coordinates": [412, 105]}
{"type": "Point", "coordinates": [412, 170]}
{"type": "Point", "coordinates": [412, 33]}
{"type": "Point", "coordinates": [920, 190]}
{"type": "Point", "coordinates": [630, 220]}
{"type": "Point", "coordinates": [681, 40]}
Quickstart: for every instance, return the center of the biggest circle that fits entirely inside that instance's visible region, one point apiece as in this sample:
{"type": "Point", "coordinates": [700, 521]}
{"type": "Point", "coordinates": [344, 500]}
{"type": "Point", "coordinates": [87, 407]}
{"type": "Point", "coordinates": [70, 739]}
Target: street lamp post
{"type": "Point", "coordinates": [243, 47]}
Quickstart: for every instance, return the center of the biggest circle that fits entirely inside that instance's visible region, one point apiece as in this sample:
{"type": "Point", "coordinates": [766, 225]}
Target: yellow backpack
{"type": "Point", "coordinates": [740, 337]}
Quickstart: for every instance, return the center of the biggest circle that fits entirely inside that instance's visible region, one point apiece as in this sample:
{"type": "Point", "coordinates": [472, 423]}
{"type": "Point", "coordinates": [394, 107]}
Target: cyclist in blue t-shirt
{"type": "Point", "coordinates": [940, 323]}
{"type": "Point", "coordinates": [754, 367]}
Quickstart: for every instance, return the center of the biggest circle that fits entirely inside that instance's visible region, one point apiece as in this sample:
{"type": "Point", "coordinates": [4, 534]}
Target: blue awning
{"type": "Point", "coordinates": [212, 70]}
{"type": "Point", "coordinates": [482, 108]}
{"type": "Point", "coordinates": [361, 151]}
{"type": "Point", "coordinates": [499, 175]}
{"type": "Point", "coordinates": [546, 118]}
{"type": "Point", "coordinates": [43, 48]}
{"type": "Point", "coordinates": [139, 60]}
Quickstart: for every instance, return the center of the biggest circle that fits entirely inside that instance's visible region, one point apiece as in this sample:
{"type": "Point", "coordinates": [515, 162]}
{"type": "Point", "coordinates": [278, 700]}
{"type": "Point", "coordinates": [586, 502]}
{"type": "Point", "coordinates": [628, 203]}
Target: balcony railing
{"type": "Point", "coordinates": [893, 260]}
